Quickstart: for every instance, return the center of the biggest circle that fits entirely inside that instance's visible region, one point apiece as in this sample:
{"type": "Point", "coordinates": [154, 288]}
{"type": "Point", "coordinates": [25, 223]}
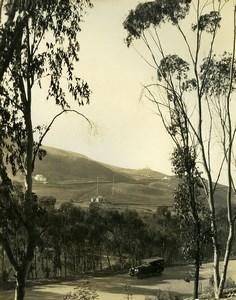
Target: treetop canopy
{"type": "Point", "coordinates": [154, 13]}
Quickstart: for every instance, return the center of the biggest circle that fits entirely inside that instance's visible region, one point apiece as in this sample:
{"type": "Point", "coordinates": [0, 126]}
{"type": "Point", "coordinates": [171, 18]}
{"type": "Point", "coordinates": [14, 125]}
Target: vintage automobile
{"type": "Point", "coordinates": [149, 267]}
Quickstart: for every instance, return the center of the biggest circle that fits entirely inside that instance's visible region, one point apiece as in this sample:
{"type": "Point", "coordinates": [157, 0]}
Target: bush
{"type": "Point", "coordinates": [82, 292]}
{"type": "Point", "coordinates": [166, 295]}
{"type": "Point", "coordinates": [229, 288]}
{"type": "Point", "coordinates": [4, 280]}
{"type": "Point", "coordinates": [230, 283]}
{"type": "Point", "coordinates": [5, 276]}
{"type": "Point", "coordinates": [127, 292]}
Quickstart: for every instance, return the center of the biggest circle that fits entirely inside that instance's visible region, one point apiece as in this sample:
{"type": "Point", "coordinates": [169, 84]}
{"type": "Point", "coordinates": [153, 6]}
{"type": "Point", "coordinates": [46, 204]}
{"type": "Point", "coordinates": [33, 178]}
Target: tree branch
{"type": "Point", "coordinates": [39, 144]}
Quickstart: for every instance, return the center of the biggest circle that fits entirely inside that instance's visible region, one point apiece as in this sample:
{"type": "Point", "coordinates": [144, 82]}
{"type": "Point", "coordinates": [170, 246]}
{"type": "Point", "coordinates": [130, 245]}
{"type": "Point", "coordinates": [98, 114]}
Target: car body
{"type": "Point", "coordinates": [149, 267]}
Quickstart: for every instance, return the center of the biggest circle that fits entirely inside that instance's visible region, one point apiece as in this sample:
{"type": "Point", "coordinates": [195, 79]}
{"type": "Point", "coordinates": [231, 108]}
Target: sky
{"type": "Point", "coordinates": [128, 133]}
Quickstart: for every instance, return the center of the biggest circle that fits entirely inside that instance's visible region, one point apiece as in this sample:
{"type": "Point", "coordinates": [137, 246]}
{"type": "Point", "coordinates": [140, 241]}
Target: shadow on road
{"type": "Point", "coordinates": [31, 295]}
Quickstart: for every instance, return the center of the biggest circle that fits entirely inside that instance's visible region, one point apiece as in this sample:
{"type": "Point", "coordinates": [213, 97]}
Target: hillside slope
{"type": "Point", "coordinates": [72, 176]}
{"type": "Point", "coordinates": [68, 166]}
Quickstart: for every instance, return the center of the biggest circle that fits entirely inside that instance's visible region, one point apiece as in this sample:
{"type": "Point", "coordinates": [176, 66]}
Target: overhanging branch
{"type": "Point", "coordinates": [50, 125]}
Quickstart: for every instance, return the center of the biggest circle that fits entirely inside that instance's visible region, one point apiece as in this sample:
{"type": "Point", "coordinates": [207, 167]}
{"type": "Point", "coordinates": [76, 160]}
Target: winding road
{"type": "Point", "coordinates": [116, 287]}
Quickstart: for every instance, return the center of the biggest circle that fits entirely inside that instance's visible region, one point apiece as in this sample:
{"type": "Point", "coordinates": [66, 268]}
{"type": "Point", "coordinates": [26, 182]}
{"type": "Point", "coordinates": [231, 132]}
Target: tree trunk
{"type": "Point", "coordinates": [76, 262]}
{"type": "Point", "coordinates": [20, 282]}
{"type": "Point", "coordinates": [226, 259]}
{"type": "Point", "coordinates": [20, 289]}
{"type": "Point", "coordinates": [1, 6]}
{"type": "Point", "coordinates": [216, 268]}
{"type": "Point", "coordinates": [65, 263]}
{"type": "Point", "coordinates": [108, 261]}
{"type": "Point", "coordinates": [231, 136]}
{"type": "Point", "coordinates": [120, 259]}
{"type": "Point", "coordinates": [100, 258]}
{"type": "Point", "coordinates": [214, 233]}
{"type": "Point", "coordinates": [196, 271]}
{"type": "Point", "coordinates": [197, 233]}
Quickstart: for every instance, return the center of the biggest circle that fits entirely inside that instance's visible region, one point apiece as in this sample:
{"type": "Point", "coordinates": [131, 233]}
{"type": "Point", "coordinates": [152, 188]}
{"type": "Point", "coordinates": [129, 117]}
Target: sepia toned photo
{"type": "Point", "coordinates": [117, 149]}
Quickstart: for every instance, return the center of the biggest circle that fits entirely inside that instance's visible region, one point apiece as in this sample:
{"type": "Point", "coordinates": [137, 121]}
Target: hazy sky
{"type": "Point", "coordinates": [129, 133]}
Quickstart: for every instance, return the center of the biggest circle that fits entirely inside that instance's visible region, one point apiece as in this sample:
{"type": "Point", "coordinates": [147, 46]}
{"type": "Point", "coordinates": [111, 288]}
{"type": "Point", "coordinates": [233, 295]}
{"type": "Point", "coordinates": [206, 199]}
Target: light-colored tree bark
{"type": "Point", "coordinates": [200, 87]}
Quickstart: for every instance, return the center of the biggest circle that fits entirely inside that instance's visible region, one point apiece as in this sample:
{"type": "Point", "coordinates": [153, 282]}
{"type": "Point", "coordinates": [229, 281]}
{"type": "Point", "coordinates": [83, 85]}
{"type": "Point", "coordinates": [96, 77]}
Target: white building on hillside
{"type": "Point", "coordinates": [98, 199]}
{"type": "Point", "coordinates": [41, 178]}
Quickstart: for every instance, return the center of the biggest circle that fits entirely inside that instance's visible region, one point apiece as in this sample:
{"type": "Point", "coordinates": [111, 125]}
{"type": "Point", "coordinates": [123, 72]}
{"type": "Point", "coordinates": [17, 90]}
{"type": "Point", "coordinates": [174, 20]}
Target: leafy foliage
{"type": "Point", "coordinates": [172, 67]}
{"type": "Point", "coordinates": [215, 73]}
{"type": "Point", "coordinates": [208, 22]}
{"type": "Point", "coordinates": [184, 161]}
{"type": "Point", "coordinates": [39, 47]}
{"type": "Point", "coordinates": [13, 225]}
{"type": "Point", "coordinates": [153, 13]}
{"type": "Point", "coordinates": [69, 242]}
{"type": "Point", "coordinates": [35, 58]}
{"type": "Point", "coordinates": [187, 219]}
{"type": "Point", "coordinates": [83, 292]}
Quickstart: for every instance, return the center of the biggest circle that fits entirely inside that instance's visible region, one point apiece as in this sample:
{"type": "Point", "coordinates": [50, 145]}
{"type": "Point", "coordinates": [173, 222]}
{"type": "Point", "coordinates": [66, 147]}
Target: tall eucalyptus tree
{"type": "Point", "coordinates": [39, 47]}
{"type": "Point", "coordinates": [193, 95]}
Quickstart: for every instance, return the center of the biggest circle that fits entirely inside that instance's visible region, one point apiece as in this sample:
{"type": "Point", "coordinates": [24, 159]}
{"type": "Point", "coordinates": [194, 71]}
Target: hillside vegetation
{"type": "Point", "coordinates": [72, 176]}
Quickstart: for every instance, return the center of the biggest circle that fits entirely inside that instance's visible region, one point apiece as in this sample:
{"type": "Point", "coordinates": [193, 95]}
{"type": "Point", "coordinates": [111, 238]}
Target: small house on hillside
{"type": "Point", "coordinates": [41, 178]}
{"type": "Point", "coordinates": [98, 199]}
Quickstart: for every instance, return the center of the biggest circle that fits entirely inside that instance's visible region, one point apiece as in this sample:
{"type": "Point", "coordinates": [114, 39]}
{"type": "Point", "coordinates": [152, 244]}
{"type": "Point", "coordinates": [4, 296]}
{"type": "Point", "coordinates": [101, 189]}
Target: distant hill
{"type": "Point", "coordinates": [60, 165]}
{"type": "Point", "coordinates": [72, 176]}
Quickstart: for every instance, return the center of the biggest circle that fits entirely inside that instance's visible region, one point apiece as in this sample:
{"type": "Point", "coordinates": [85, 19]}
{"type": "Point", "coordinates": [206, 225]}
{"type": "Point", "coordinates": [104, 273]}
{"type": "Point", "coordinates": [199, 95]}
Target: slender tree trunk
{"type": "Point", "coordinates": [231, 133]}
{"type": "Point", "coordinates": [120, 258]}
{"type": "Point", "coordinates": [47, 269]}
{"type": "Point", "coordinates": [65, 263]}
{"type": "Point", "coordinates": [85, 263]}
{"type": "Point", "coordinates": [197, 229]}
{"type": "Point", "coordinates": [100, 258]}
{"type": "Point", "coordinates": [92, 259]}
{"type": "Point", "coordinates": [76, 261]}
{"type": "Point", "coordinates": [34, 272]}
{"type": "Point", "coordinates": [20, 287]}
{"type": "Point", "coordinates": [21, 275]}
{"type": "Point", "coordinates": [197, 270]}
{"type": "Point", "coordinates": [2, 259]}
{"type": "Point", "coordinates": [197, 254]}
{"type": "Point", "coordinates": [108, 261]}
{"type": "Point", "coordinates": [29, 199]}
{"type": "Point", "coordinates": [1, 7]}
{"type": "Point", "coordinates": [216, 273]}
{"type": "Point", "coordinates": [226, 259]}
{"type": "Point", "coordinates": [23, 270]}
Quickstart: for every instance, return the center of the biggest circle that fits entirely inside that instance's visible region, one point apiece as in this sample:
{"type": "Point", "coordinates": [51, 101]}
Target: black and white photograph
{"type": "Point", "coordinates": [117, 149]}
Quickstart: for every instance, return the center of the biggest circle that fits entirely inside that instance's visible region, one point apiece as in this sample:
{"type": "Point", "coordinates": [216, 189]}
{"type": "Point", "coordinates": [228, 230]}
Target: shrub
{"type": "Point", "coordinates": [82, 292]}
{"type": "Point", "coordinates": [230, 283]}
{"type": "Point", "coordinates": [229, 288]}
{"type": "Point", "coordinates": [166, 295]}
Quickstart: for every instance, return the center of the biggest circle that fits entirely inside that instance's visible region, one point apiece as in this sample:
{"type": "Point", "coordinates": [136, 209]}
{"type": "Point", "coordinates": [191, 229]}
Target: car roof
{"type": "Point", "coordinates": [152, 259]}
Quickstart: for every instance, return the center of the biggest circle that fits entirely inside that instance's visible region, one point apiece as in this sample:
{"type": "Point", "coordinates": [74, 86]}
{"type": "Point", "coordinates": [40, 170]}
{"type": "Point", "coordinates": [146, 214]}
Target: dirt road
{"type": "Point", "coordinates": [113, 287]}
